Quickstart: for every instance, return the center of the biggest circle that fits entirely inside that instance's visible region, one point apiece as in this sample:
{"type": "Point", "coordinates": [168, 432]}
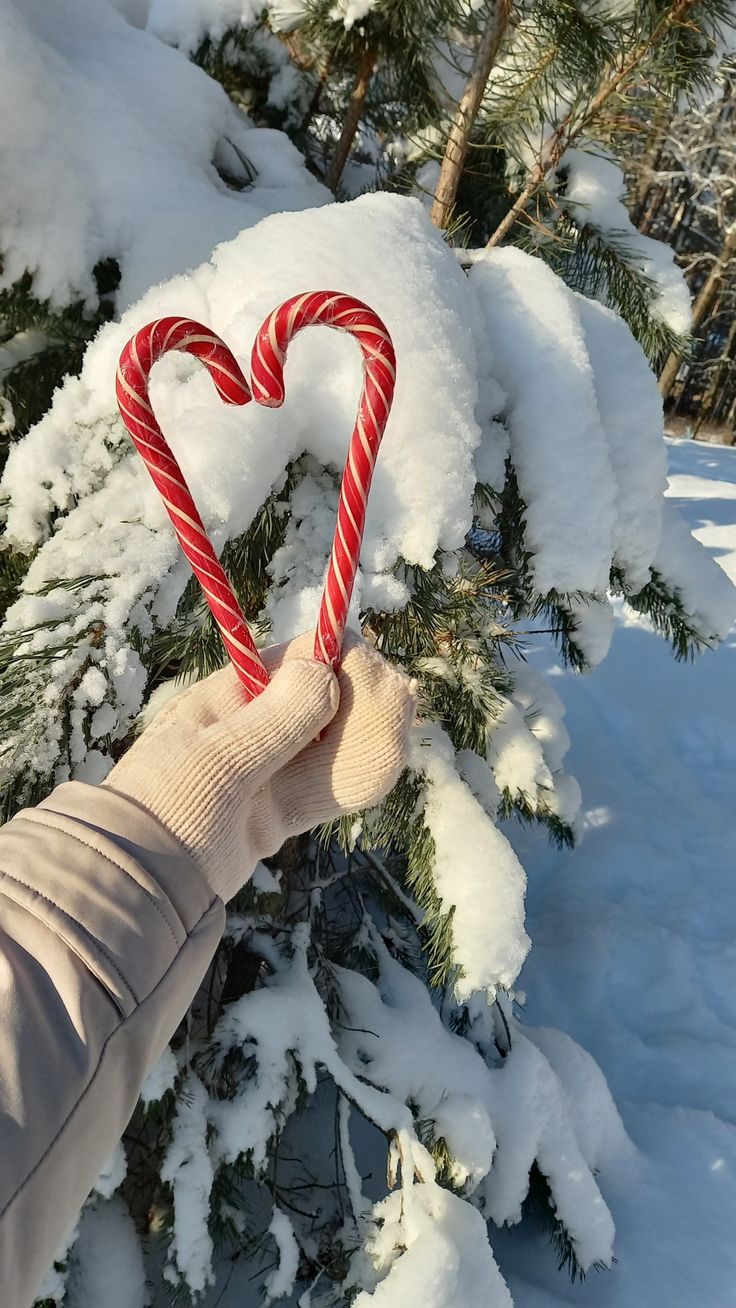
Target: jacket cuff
{"type": "Point", "coordinates": [110, 880]}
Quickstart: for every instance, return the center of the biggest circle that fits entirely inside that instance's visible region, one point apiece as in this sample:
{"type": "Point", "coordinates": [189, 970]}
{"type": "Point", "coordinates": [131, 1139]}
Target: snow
{"type": "Point", "coordinates": [533, 1122]}
{"type": "Point", "coordinates": [599, 1131]}
{"type": "Point", "coordinates": [495, 1119]}
{"type": "Point", "coordinates": [633, 945]}
{"type": "Point", "coordinates": [633, 956]}
{"type": "Point", "coordinates": [594, 191]}
{"type": "Point", "coordinates": [265, 881]}
{"type": "Point", "coordinates": [434, 402]}
{"type": "Point", "coordinates": [71, 83]}
{"type": "Point", "coordinates": [54, 1284]}
{"type": "Point", "coordinates": [353, 1180]}
{"type": "Point", "coordinates": [702, 588]}
{"type": "Point", "coordinates": [162, 1077]}
{"type": "Point", "coordinates": [285, 15]}
{"type": "Point", "coordinates": [112, 1174]}
{"type": "Point", "coordinates": [477, 876]}
{"type": "Point", "coordinates": [107, 1267]}
{"type": "Point", "coordinates": [516, 756]}
{"type": "Point", "coordinates": [188, 1169]}
{"type": "Point", "coordinates": [593, 627]}
{"type": "Point", "coordinates": [350, 12]}
{"type": "Point", "coordinates": [446, 1258]}
{"type": "Point", "coordinates": [186, 23]}
{"type": "Point", "coordinates": [280, 1281]}
{"type": "Point", "coordinates": [587, 449]}
{"type": "Point", "coordinates": [526, 747]}
{"type": "Point", "coordinates": [557, 443]}
{"type": "Point", "coordinates": [506, 360]}
{"type": "Point", "coordinates": [631, 415]}
{"type": "Point", "coordinates": [444, 1077]}
{"type": "Point", "coordinates": [381, 1066]}
{"type": "Point", "coordinates": [282, 1023]}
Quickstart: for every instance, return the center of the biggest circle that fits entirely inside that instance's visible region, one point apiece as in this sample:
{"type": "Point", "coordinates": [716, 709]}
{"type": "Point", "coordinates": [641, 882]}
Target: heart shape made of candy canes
{"type": "Point", "coordinates": [324, 308]}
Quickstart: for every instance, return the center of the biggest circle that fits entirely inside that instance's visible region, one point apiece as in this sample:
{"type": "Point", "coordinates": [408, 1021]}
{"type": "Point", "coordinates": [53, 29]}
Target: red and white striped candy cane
{"type": "Point", "coordinates": [333, 309]}
{"type": "Point", "coordinates": [131, 386]}
{"type": "Point", "coordinates": [325, 308]}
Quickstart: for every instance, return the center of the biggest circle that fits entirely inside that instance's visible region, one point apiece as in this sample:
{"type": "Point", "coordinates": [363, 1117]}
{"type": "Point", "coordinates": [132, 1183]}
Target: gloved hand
{"type": "Point", "coordinates": [232, 780]}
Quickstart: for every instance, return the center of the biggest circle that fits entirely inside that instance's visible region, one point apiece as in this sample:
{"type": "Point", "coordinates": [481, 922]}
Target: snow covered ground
{"type": "Point", "coordinates": [634, 935]}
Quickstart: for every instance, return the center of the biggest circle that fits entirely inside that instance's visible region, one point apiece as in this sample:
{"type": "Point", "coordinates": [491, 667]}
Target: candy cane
{"type": "Point", "coordinates": [131, 386]}
{"type": "Point", "coordinates": [332, 309]}
{"type": "Point", "coordinates": [325, 308]}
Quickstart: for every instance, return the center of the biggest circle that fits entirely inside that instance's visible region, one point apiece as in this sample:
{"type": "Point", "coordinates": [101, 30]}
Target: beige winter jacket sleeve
{"type": "Point", "coordinates": [106, 931]}
{"type": "Point", "coordinates": [111, 907]}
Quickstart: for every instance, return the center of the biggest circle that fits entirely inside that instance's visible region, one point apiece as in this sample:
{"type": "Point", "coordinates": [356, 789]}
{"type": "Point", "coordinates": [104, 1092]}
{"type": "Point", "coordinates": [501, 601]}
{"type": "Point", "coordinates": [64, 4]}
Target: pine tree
{"type": "Point", "coordinates": [347, 944]}
{"type": "Point", "coordinates": [40, 345]}
{"type": "Point", "coordinates": [624, 64]}
{"type": "Point", "coordinates": [376, 75]}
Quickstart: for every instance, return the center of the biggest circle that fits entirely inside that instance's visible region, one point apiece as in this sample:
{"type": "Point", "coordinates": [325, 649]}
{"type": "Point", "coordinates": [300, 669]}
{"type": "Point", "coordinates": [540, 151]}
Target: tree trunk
{"type": "Point", "coordinates": [658, 196]}
{"type": "Point", "coordinates": [722, 388]}
{"type": "Point", "coordinates": [570, 128]}
{"type": "Point", "coordinates": [701, 307]}
{"type": "Point", "coordinates": [651, 163]}
{"type": "Point", "coordinates": [352, 119]}
{"type": "Point", "coordinates": [316, 96]}
{"type": "Point", "coordinates": [467, 110]}
{"type": "Point", "coordinates": [713, 397]}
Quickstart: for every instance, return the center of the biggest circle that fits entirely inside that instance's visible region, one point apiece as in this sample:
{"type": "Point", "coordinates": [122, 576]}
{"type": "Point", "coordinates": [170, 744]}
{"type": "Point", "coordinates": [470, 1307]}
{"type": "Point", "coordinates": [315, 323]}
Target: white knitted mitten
{"type": "Point", "coordinates": [232, 780]}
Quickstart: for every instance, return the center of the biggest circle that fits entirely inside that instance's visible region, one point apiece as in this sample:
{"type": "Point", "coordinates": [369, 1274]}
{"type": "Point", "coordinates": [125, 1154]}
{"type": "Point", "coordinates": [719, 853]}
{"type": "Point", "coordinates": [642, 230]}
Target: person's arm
{"type": "Point", "coordinates": [111, 908]}
{"type": "Point", "coordinates": [106, 930]}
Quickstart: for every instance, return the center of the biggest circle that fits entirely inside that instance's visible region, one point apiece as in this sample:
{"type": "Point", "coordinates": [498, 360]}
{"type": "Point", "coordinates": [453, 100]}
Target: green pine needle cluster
{"type": "Point", "coordinates": [50, 344]}
{"type": "Point", "coordinates": [604, 266]}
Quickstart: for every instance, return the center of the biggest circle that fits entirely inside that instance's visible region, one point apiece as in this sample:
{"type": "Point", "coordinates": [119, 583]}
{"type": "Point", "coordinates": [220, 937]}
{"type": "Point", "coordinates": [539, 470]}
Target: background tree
{"type": "Point", "coordinates": [379, 58]}
{"type": "Point", "coordinates": [688, 200]}
{"type": "Point", "coordinates": [625, 65]}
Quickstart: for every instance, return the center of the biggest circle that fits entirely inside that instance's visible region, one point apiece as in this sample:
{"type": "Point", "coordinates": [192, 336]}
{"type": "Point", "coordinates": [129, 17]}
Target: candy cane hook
{"type": "Point", "coordinates": [131, 386]}
{"type": "Point", "coordinates": [325, 308]}
{"type": "Point", "coordinates": [333, 309]}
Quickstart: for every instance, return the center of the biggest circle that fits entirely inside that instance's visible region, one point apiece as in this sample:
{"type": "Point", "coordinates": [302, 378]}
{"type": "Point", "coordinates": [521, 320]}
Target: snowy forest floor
{"type": "Point", "coordinates": [634, 933]}
{"type": "Point", "coordinates": [634, 946]}
{"type": "Point", "coordinates": [683, 426]}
